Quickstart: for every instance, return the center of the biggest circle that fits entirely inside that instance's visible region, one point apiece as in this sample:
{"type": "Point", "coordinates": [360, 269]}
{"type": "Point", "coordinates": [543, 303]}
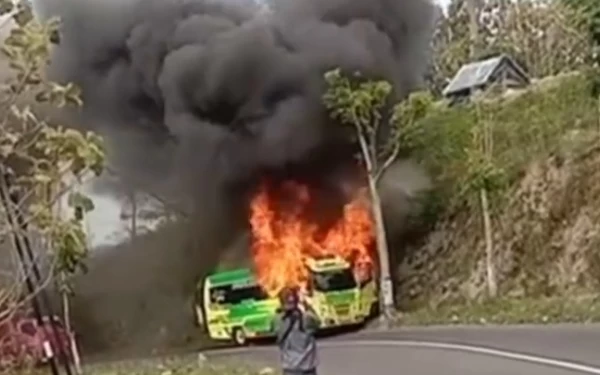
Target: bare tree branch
{"type": "Point", "coordinates": [391, 158]}
{"type": "Point", "coordinates": [140, 186]}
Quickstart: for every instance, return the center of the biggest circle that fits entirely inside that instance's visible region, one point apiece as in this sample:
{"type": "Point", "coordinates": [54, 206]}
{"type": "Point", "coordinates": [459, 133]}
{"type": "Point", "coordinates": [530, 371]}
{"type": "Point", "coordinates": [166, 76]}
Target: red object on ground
{"type": "Point", "coordinates": [22, 340]}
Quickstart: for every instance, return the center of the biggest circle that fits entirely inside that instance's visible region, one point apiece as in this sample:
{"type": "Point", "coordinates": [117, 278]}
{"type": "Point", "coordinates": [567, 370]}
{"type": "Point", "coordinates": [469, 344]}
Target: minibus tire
{"type": "Point", "coordinates": [239, 336]}
{"type": "Point", "coordinates": [374, 311]}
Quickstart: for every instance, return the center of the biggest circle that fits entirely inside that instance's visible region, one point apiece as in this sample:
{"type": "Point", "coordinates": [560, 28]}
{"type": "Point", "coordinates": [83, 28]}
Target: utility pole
{"type": "Point", "coordinates": [22, 244]}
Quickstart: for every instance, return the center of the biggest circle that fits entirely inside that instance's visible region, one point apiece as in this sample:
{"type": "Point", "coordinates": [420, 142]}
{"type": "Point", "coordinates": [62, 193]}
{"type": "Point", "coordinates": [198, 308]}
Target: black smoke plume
{"type": "Point", "coordinates": [197, 98]}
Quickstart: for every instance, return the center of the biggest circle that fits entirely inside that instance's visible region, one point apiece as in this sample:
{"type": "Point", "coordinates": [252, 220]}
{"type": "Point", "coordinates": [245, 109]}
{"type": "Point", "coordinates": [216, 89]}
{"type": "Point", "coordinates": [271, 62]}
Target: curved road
{"type": "Point", "coordinates": [532, 350]}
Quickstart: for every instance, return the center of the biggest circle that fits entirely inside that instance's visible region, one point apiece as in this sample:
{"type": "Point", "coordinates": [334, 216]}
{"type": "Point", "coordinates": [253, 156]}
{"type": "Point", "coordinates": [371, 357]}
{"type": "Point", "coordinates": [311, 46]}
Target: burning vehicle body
{"type": "Point", "coordinates": [333, 265]}
{"type": "Point", "coordinates": [23, 341]}
{"type": "Point", "coordinates": [216, 107]}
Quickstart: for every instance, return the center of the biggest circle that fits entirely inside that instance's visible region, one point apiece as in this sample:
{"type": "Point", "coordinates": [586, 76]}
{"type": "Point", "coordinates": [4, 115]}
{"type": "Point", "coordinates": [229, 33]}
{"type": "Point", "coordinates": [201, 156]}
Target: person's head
{"type": "Point", "coordinates": [289, 299]}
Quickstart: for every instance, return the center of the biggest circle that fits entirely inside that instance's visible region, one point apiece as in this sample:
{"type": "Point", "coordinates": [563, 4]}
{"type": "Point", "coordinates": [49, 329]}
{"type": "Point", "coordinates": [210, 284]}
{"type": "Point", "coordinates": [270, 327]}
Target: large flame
{"type": "Point", "coordinates": [282, 237]}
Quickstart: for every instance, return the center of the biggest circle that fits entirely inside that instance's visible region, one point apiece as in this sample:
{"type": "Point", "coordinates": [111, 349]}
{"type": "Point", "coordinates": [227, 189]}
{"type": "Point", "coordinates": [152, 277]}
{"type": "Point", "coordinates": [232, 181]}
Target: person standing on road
{"type": "Point", "coordinates": [296, 326]}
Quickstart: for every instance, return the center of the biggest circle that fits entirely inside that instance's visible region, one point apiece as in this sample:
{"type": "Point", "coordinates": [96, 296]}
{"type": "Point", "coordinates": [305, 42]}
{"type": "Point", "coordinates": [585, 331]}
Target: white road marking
{"type": "Point", "coordinates": [557, 363]}
{"type": "Point", "coordinates": [539, 360]}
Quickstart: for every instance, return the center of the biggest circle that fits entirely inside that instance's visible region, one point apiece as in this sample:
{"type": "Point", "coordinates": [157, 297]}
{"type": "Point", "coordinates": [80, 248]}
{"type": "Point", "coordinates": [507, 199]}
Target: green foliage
{"type": "Point", "coordinates": [532, 124]}
{"type": "Point", "coordinates": [48, 160]}
{"type": "Point", "coordinates": [362, 105]}
{"type": "Point", "coordinates": [482, 173]}
{"type": "Point", "coordinates": [356, 102]}
{"type": "Point", "coordinates": [590, 10]}
{"type": "Point", "coordinates": [546, 37]}
{"type": "Point", "coordinates": [588, 18]}
{"type": "Point", "coordinates": [451, 45]}
{"type": "Point", "coordinates": [407, 114]}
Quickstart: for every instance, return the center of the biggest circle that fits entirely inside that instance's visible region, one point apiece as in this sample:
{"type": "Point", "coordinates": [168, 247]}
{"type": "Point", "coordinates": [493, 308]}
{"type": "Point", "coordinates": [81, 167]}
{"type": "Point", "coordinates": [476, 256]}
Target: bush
{"type": "Point", "coordinates": [524, 126]}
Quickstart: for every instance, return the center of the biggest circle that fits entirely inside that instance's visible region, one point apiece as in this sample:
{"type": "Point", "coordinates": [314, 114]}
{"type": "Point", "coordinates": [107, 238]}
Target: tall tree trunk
{"type": "Point", "coordinates": [385, 278]}
{"type": "Point", "coordinates": [487, 148]}
{"type": "Point", "coordinates": [489, 245]}
{"type": "Point", "coordinates": [134, 213]}
{"type": "Point", "coordinates": [473, 11]}
{"type": "Point", "coordinates": [386, 286]}
{"type": "Point", "coordinates": [598, 116]}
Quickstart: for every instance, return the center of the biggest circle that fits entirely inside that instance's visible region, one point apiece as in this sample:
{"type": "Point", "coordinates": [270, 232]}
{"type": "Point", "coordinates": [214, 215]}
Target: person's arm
{"type": "Point", "coordinates": [282, 328]}
{"type": "Point", "coordinates": [313, 322]}
{"type": "Point", "coordinates": [277, 326]}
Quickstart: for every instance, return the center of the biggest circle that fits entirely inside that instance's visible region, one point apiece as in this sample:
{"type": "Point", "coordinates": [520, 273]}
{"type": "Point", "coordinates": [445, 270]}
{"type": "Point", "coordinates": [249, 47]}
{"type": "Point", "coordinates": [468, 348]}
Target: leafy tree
{"type": "Point", "coordinates": [42, 164]}
{"type": "Point", "coordinates": [546, 37]}
{"type": "Point", "coordinates": [588, 17]}
{"type": "Point", "coordinates": [590, 12]}
{"type": "Point", "coordinates": [484, 177]}
{"type": "Point", "coordinates": [450, 45]}
{"type": "Point", "coordinates": [361, 105]}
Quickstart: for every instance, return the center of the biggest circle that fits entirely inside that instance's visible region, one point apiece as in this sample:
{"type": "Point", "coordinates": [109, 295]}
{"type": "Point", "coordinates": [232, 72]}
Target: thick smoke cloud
{"type": "Point", "coordinates": [227, 85]}
{"type": "Point", "coordinates": [197, 97]}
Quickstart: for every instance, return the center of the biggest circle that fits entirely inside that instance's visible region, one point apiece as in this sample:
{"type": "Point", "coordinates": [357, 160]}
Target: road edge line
{"type": "Point", "coordinates": [499, 353]}
{"type": "Point", "coordinates": [475, 349]}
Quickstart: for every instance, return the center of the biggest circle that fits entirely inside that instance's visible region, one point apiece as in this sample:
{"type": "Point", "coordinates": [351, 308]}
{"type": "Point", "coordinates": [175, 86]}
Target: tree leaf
{"type": "Point", "coordinates": [77, 199]}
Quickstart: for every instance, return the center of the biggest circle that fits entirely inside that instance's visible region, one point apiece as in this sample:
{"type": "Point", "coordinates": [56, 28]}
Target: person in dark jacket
{"type": "Point", "coordinates": [296, 326]}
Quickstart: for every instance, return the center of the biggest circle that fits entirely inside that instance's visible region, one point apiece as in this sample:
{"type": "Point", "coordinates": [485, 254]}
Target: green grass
{"type": "Point", "coordinates": [535, 123]}
{"type": "Point", "coordinates": [509, 311]}
{"type": "Point", "coordinates": [543, 200]}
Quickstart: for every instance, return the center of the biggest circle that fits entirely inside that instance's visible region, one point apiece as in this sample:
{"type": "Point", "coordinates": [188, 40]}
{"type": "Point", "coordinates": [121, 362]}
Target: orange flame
{"type": "Point", "coordinates": [282, 240]}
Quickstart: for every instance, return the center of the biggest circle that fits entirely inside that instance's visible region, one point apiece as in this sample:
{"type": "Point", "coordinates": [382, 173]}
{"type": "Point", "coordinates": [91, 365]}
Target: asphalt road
{"type": "Point", "coordinates": [532, 350]}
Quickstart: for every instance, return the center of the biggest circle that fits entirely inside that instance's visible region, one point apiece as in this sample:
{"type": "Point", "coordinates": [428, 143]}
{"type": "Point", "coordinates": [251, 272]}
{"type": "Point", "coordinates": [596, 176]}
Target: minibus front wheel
{"type": "Point", "coordinates": [239, 336]}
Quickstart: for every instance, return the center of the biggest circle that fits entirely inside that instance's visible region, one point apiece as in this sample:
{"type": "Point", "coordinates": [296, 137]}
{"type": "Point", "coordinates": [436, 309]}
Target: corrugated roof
{"type": "Point", "coordinates": [473, 75]}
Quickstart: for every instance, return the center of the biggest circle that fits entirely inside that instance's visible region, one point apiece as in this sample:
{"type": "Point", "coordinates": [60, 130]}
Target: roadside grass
{"type": "Point", "coordinates": [184, 365]}
{"type": "Point", "coordinates": [585, 309]}
{"type": "Point", "coordinates": [216, 369]}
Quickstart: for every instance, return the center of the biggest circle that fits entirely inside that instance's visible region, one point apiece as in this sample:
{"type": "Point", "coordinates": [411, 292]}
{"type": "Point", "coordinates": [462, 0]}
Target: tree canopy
{"type": "Point", "coordinates": [41, 162]}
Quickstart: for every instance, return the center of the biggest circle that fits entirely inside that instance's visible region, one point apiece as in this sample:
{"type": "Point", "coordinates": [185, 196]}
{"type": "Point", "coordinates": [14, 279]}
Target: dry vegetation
{"type": "Point", "coordinates": [545, 211]}
{"type": "Point", "coordinates": [181, 365]}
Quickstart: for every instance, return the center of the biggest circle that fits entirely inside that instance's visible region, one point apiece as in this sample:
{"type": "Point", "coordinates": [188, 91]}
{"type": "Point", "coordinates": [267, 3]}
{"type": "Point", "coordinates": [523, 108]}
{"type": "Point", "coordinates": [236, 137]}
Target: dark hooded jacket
{"type": "Point", "coordinates": [296, 339]}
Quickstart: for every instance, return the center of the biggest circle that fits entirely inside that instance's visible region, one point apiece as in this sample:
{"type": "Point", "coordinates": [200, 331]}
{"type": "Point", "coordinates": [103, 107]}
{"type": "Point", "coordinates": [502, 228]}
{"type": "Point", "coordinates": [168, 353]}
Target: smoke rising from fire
{"type": "Point", "coordinates": [197, 98]}
{"type": "Point", "coordinates": [224, 85]}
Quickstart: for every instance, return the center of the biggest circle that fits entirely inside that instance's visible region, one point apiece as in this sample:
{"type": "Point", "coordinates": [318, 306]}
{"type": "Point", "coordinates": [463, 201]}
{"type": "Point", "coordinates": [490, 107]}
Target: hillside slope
{"type": "Point", "coordinates": [546, 220]}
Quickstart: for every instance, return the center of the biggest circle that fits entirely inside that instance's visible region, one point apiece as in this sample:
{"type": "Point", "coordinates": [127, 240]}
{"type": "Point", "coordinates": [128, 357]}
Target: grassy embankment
{"type": "Point", "coordinates": [545, 210]}
{"type": "Point", "coordinates": [585, 309]}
